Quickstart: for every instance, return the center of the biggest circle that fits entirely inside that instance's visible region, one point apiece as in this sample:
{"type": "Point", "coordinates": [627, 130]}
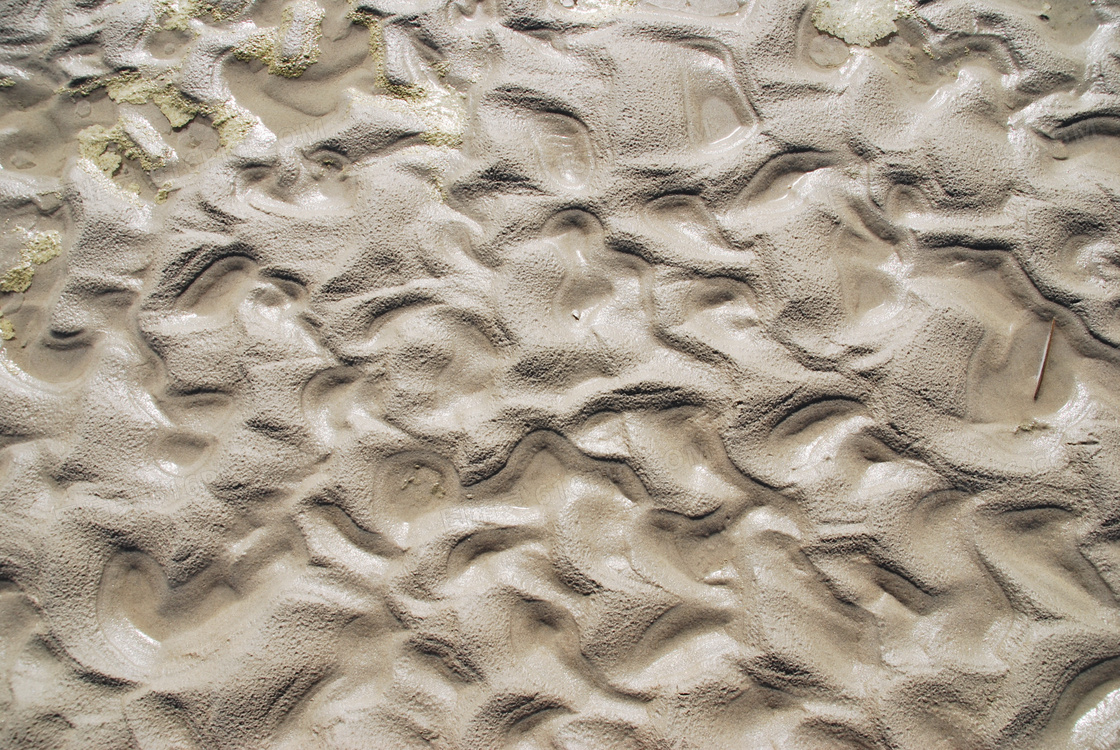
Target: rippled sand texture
{"type": "Point", "coordinates": [560, 374]}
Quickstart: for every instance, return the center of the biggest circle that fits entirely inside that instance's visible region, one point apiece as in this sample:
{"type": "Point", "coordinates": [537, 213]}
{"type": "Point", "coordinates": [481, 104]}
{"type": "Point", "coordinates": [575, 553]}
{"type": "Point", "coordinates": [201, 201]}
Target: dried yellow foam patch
{"type": "Point", "coordinates": [178, 13]}
{"type": "Point", "coordinates": [94, 143]}
{"type": "Point", "coordinates": [603, 10]}
{"type": "Point", "coordinates": [440, 109]}
{"type": "Point", "coordinates": [861, 22]}
{"type": "Point", "coordinates": [409, 92]}
{"type": "Point", "coordinates": [41, 247]}
{"type": "Point", "coordinates": [37, 250]}
{"type": "Point", "coordinates": [288, 51]}
{"type": "Point", "coordinates": [231, 121]}
{"type": "Point", "coordinates": [132, 88]}
{"type": "Point", "coordinates": [17, 279]}
{"type": "Point", "coordinates": [293, 47]}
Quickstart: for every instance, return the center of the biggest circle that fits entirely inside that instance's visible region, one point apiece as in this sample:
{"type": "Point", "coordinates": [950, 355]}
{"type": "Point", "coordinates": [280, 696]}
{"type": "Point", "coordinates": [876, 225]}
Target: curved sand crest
{"type": "Point", "coordinates": [546, 376]}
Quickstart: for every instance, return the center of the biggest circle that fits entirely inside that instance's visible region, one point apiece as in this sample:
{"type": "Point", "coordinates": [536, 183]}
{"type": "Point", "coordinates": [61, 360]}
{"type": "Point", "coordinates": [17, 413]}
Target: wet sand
{"type": "Point", "coordinates": [560, 374]}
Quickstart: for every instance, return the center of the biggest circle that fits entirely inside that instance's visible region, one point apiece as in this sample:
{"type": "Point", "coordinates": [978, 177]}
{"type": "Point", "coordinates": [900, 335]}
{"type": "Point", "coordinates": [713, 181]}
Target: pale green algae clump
{"type": "Point", "coordinates": [37, 250]}
{"type": "Point", "coordinates": [861, 22]}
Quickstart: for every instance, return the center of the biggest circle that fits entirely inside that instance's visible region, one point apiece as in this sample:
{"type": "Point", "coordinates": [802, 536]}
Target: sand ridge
{"type": "Point", "coordinates": [560, 375]}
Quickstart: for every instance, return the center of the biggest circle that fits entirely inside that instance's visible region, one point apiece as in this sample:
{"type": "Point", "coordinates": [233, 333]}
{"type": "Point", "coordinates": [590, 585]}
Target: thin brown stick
{"type": "Point", "coordinates": [1045, 359]}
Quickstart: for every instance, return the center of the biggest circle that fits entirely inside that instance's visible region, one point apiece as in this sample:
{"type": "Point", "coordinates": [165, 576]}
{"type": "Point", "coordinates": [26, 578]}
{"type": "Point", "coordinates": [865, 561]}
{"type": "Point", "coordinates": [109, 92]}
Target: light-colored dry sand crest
{"type": "Point", "coordinates": [560, 374]}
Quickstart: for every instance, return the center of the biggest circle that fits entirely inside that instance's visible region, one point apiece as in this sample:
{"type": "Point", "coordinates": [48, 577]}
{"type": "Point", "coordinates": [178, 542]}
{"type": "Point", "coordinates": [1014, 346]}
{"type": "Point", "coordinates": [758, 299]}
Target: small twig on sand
{"type": "Point", "coordinates": [1045, 359]}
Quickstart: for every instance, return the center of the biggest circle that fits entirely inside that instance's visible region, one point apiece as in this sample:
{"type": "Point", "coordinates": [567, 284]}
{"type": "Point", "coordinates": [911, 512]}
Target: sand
{"type": "Point", "coordinates": [579, 374]}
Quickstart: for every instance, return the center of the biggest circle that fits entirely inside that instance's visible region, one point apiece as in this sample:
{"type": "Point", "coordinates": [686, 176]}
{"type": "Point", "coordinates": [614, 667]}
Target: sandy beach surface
{"type": "Point", "coordinates": [569, 374]}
